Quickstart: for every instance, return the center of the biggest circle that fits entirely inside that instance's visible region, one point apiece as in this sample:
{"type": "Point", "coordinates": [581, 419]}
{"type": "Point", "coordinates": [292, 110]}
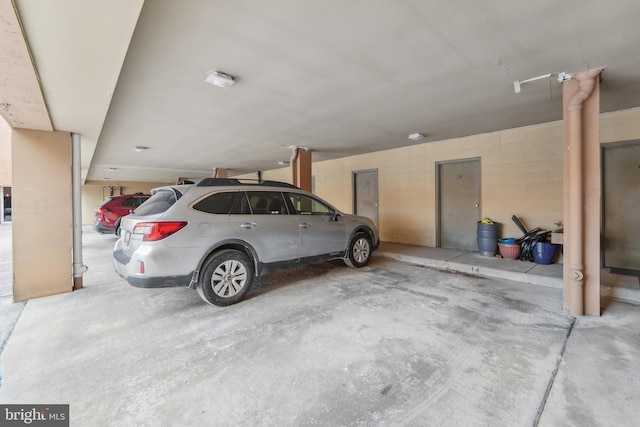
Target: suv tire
{"type": "Point", "coordinates": [226, 277]}
{"type": "Point", "coordinates": [359, 250]}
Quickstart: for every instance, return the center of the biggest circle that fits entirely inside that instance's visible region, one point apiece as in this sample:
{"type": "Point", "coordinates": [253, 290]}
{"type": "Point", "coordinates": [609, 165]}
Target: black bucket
{"type": "Point", "coordinates": [487, 238]}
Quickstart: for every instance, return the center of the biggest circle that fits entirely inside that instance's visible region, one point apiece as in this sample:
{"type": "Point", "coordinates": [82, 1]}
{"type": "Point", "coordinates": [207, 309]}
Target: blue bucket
{"type": "Point", "coordinates": [543, 252]}
{"type": "Point", "coordinates": [487, 238]}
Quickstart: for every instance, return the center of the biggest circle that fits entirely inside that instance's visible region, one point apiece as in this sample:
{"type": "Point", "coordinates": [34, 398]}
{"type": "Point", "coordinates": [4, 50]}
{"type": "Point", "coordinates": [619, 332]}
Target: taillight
{"type": "Point", "coordinates": [152, 231]}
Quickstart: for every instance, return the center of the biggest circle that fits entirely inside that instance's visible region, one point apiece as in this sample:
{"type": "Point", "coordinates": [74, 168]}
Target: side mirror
{"type": "Point", "coordinates": [334, 215]}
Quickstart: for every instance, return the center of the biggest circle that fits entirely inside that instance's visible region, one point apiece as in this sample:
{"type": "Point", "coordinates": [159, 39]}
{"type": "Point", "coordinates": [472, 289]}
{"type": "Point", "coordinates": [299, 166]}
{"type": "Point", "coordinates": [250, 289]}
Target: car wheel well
{"type": "Point", "coordinates": [363, 229]}
{"type": "Point", "coordinates": [236, 246]}
{"type": "Point", "coordinates": [359, 249]}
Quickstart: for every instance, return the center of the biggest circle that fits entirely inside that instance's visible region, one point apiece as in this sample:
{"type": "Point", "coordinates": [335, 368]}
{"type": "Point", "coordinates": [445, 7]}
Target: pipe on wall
{"type": "Point", "coordinates": [293, 162]}
{"type": "Point", "coordinates": [76, 197]}
{"type": "Point", "coordinates": [575, 226]}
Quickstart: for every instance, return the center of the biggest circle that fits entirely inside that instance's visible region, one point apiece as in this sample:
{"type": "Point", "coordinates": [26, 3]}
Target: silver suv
{"type": "Point", "coordinates": [218, 235]}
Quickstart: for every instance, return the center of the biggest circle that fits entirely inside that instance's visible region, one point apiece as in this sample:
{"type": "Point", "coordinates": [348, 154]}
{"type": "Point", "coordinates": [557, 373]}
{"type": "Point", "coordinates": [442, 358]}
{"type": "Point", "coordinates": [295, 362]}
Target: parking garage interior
{"type": "Point", "coordinates": [423, 116]}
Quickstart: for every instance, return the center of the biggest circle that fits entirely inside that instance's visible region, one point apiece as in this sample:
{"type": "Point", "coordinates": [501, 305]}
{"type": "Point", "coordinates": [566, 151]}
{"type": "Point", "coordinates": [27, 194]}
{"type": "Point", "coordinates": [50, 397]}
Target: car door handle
{"type": "Point", "coordinates": [305, 225]}
{"type": "Point", "coordinates": [249, 225]}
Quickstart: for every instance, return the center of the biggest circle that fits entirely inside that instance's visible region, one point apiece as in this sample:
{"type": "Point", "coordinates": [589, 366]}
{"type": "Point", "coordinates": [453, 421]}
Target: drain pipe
{"type": "Point", "coordinates": [295, 153]}
{"type": "Point", "coordinates": [76, 195]}
{"type": "Point", "coordinates": [587, 83]}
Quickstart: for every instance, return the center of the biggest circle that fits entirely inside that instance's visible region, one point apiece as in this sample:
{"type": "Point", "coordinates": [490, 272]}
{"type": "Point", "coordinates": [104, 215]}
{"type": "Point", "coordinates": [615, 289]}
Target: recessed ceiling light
{"type": "Point", "coordinates": [219, 79]}
{"type": "Point", "coordinates": [140, 148]}
{"type": "Point", "coordinates": [416, 136]}
{"type": "Point", "coordinates": [112, 169]}
{"type": "Point", "coordinates": [283, 163]}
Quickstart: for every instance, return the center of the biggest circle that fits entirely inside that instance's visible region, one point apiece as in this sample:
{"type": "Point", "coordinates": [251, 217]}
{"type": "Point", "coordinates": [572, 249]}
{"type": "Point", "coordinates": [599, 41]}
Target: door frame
{"type": "Point", "coordinates": [438, 193]}
{"type": "Point", "coordinates": [355, 196]}
{"type": "Point", "coordinates": [603, 197]}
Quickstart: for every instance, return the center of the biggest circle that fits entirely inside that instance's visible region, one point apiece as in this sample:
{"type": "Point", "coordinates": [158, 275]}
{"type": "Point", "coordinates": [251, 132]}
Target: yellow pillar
{"type": "Point", "coordinates": [42, 215]}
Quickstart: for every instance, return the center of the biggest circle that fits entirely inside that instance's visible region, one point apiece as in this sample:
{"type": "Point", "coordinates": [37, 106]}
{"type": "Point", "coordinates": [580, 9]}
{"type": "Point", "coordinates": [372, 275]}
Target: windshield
{"type": "Point", "coordinates": [158, 203]}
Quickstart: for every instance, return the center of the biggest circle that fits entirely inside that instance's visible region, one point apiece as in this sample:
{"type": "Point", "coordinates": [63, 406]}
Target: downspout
{"type": "Point", "coordinates": [76, 196]}
{"type": "Point", "coordinates": [576, 207]}
{"type": "Point", "coordinates": [295, 153]}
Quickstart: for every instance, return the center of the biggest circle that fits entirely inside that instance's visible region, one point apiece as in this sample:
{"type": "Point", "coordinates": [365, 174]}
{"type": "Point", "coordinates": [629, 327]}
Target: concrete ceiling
{"type": "Point", "coordinates": [339, 77]}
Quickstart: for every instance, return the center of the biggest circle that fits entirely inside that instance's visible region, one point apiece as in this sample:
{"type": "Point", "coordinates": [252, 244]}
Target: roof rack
{"type": "Point", "coordinates": [213, 182]}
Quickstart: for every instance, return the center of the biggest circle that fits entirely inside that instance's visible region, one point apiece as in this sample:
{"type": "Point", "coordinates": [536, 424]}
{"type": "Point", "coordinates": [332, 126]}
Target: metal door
{"type": "Point", "coordinates": [621, 206]}
{"type": "Point", "coordinates": [458, 194]}
{"type": "Point", "coordinates": [365, 194]}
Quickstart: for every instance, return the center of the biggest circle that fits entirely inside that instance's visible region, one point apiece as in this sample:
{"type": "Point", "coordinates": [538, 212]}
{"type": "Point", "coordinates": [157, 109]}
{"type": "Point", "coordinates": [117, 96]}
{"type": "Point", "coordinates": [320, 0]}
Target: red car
{"type": "Point", "coordinates": [113, 208]}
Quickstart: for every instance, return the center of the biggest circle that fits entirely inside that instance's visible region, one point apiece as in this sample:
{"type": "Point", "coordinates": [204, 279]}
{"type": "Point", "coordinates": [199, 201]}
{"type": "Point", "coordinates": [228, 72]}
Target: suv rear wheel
{"type": "Point", "coordinates": [359, 250]}
{"type": "Point", "coordinates": [225, 278]}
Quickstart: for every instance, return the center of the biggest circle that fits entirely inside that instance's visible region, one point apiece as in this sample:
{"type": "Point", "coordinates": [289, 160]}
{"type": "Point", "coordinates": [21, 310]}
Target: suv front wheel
{"type": "Point", "coordinates": [225, 278]}
{"type": "Point", "coordinates": [359, 250]}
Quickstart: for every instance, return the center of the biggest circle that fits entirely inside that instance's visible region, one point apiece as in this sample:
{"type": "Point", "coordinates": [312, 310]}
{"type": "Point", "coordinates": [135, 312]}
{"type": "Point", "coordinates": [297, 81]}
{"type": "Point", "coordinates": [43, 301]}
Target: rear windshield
{"type": "Point", "coordinates": [158, 203]}
{"type": "Point", "coordinates": [105, 201]}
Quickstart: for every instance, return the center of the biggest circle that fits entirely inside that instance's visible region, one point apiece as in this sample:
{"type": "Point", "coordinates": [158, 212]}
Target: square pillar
{"type": "Point", "coordinates": [592, 173]}
{"type": "Point", "coordinates": [302, 169]}
{"type": "Point", "coordinates": [590, 186]}
{"type": "Point", "coordinates": [219, 173]}
{"type": "Point", "coordinates": [42, 214]}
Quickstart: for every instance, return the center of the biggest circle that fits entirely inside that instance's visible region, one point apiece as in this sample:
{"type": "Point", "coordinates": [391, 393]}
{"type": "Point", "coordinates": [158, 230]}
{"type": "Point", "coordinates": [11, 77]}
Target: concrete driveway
{"type": "Point", "coordinates": [389, 344]}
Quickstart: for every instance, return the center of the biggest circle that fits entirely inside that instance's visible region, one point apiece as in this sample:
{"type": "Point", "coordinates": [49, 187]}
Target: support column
{"type": "Point", "coordinates": [1, 204]}
{"type": "Point", "coordinates": [219, 173]}
{"type": "Point", "coordinates": [42, 224]}
{"type": "Point", "coordinates": [301, 168]}
{"type": "Point", "coordinates": [581, 209]}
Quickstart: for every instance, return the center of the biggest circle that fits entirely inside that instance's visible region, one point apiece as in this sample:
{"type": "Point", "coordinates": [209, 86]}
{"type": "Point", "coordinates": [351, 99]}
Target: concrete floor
{"type": "Point", "coordinates": [390, 344]}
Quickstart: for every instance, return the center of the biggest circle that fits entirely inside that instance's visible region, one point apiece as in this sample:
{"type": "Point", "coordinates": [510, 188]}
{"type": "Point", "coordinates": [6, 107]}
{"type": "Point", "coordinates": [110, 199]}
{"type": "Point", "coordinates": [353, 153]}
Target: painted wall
{"type": "Point", "coordinates": [5, 153]}
{"type": "Point", "coordinates": [42, 220]}
{"type": "Point", "coordinates": [521, 173]}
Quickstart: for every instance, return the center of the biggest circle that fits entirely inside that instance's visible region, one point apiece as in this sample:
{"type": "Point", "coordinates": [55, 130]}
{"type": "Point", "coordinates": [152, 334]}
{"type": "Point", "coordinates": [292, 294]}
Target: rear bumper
{"type": "Point", "coordinates": [103, 229]}
{"type": "Point", "coordinates": [121, 265]}
{"type": "Point", "coordinates": [160, 282]}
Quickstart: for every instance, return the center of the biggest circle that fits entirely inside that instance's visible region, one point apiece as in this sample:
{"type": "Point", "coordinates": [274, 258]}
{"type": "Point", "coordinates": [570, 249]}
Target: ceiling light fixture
{"type": "Point", "coordinates": [140, 148]}
{"type": "Point", "coordinates": [416, 136]}
{"type": "Point", "coordinates": [219, 79]}
{"type": "Point", "coordinates": [112, 169]}
{"type": "Point", "coordinates": [283, 163]}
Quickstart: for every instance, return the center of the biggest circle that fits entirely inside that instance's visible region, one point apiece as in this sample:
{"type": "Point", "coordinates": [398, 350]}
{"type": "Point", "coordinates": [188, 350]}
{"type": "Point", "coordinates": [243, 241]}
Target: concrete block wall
{"type": "Point", "coordinates": [521, 173]}
{"type": "Point", "coordinates": [620, 126]}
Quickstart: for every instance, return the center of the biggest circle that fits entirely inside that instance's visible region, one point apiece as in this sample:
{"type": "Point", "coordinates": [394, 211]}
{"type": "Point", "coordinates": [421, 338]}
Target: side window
{"type": "Point", "coordinates": [267, 203]}
{"type": "Point", "coordinates": [241, 206]}
{"type": "Point", "coordinates": [139, 200]}
{"type": "Point", "coordinates": [130, 202]}
{"type": "Point", "coordinates": [305, 205]}
{"type": "Point", "coordinates": [218, 203]}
